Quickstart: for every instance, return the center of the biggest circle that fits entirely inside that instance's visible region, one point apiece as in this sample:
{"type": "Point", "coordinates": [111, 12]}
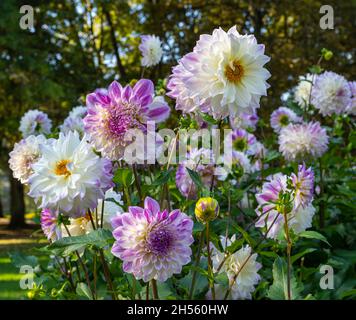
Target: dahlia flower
{"type": "Point", "coordinates": [151, 50]}
{"type": "Point", "coordinates": [153, 244]}
{"type": "Point", "coordinates": [242, 140]}
{"type": "Point", "coordinates": [247, 278]}
{"type": "Point", "coordinates": [35, 122]}
{"type": "Point", "coordinates": [245, 121]}
{"type": "Point", "coordinates": [113, 113]}
{"type": "Point", "coordinates": [303, 140]}
{"type": "Point", "coordinates": [24, 155]}
{"type": "Point", "coordinates": [303, 89]}
{"type": "Point", "coordinates": [112, 207]}
{"type": "Point", "coordinates": [331, 93]}
{"type": "Point", "coordinates": [223, 75]}
{"type": "Point", "coordinates": [301, 219]}
{"type": "Point", "coordinates": [351, 108]}
{"type": "Point", "coordinates": [74, 121]}
{"type": "Point", "coordinates": [201, 161]}
{"type": "Point", "coordinates": [281, 117]}
{"type": "Point", "coordinates": [77, 227]}
{"type": "Point", "coordinates": [69, 177]}
{"type": "Point", "coordinates": [49, 225]}
{"type": "Point", "coordinates": [206, 209]}
{"type": "Point", "coordinates": [303, 183]}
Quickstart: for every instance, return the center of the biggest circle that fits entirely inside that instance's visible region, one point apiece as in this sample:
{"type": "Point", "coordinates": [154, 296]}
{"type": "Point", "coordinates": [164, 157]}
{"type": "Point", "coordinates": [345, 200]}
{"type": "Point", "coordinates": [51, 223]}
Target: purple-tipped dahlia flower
{"type": "Point", "coordinates": [282, 117]}
{"type": "Point", "coordinates": [49, 225]}
{"type": "Point", "coordinates": [242, 141]}
{"type": "Point", "coordinates": [113, 113]}
{"type": "Point", "coordinates": [331, 93]}
{"type": "Point", "coordinates": [35, 122]}
{"type": "Point", "coordinates": [201, 161]}
{"type": "Point", "coordinates": [153, 244]}
{"type": "Point", "coordinates": [244, 120]}
{"type": "Point", "coordinates": [351, 108]}
{"type": "Point", "coordinates": [303, 183]}
{"type": "Point", "coordinates": [224, 74]}
{"type": "Point", "coordinates": [303, 140]}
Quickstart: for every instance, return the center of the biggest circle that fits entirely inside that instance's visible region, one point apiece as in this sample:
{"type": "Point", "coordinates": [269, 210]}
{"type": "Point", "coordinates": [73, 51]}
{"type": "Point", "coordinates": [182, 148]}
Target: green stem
{"type": "Point", "coordinates": [321, 204]}
{"type": "Point", "coordinates": [289, 248]}
{"type": "Point", "coordinates": [154, 289]}
{"type": "Point", "coordinates": [197, 260]}
{"type": "Point", "coordinates": [210, 264]}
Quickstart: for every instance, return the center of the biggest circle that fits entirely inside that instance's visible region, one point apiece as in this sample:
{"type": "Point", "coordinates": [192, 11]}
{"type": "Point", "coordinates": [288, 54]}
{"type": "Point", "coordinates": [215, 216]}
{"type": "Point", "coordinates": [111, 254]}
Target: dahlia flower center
{"type": "Point", "coordinates": [122, 118]}
{"type": "Point", "coordinates": [234, 71]}
{"type": "Point", "coordinates": [240, 144]}
{"type": "Point", "coordinates": [284, 120]}
{"type": "Point", "coordinates": [159, 241]}
{"type": "Point", "coordinates": [62, 168]}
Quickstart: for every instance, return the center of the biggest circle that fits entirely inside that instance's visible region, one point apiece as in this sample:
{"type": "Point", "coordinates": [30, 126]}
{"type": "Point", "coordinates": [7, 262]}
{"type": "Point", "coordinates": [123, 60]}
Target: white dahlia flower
{"type": "Point", "coordinates": [351, 109]}
{"type": "Point", "coordinates": [151, 50]}
{"type": "Point", "coordinates": [248, 275]}
{"type": "Point", "coordinates": [24, 155]}
{"type": "Point", "coordinates": [223, 75]}
{"type": "Point", "coordinates": [331, 94]}
{"type": "Point", "coordinates": [69, 177]}
{"type": "Point", "coordinates": [35, 122]}
{"type": "Point", "coordinates": [303, 140]}
{"type": "Point", "coordinates": [301, 219]}
{"type": "Point", "coordinates": [74, 121]}
{"type": "Point", "coordinates": [303, 89]}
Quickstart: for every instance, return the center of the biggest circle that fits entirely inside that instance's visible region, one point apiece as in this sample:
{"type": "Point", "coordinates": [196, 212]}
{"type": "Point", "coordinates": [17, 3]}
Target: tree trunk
{"type": "Point", "coordinates": [17, 204]}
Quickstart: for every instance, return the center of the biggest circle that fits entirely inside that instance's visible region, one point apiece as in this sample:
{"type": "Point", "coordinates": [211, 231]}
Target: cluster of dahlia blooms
{"type": "Point", "coordinates": [239, 263]}
{"type": "Point", "coordinates": [74, 121]}
{"type": "Point", "coordinates": [35, 122]}
{"type": "Point", "coordinates": [151, 50]}
{"type": "Point", "coordinates": [302, 140]}
{"type": "Point", "coordinates": [223, 75]}
{"type": "Point", "coordinates": [282, 194]}
{"type": "Point", "coordinates": [113, 112]}
{"type": "Point", "coordinates": [153, 244]}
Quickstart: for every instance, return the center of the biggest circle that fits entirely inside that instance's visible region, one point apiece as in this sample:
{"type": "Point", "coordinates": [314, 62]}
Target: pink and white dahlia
{"type": "Point", "coordinates": [223, 75]}
{"type": "Point", "coordinates": [201, 161]}
{"type": "Point", "coordinates": [351, 108]}
{"type": "Point", "coordinates": [297, 141]}
{"type": "Point", "coordinates": [283, 116]}
{"type": "Point", "coordinates": [69, 177]}
{"type": "Point", "coordinates": [247, 121]}
{"type": "Point", "coordinates": [50, 225]}
{"type": "Point", "coordinates": [24, 155]}
{"type": "Point", "coordinates": [35, 122]}
{"type": "Point", "coordinates": [331, 93]}
{"type": "Point", "coordinates": [113, 113]}
{"type": "Point", "coordinates": [153, 244]}
{"type": "Point", "coordinates": [248, 276]}
{"type": "Point", "coordinates": [303, 90]}
{"type": "Point", "coordinates": [242, 141]}
{"type": "Point", "coordinates": [303, 183]}
{"type": "Point", "coordinates": [151, 50]}
{"type": "Point", "coordinates": [74, 121]}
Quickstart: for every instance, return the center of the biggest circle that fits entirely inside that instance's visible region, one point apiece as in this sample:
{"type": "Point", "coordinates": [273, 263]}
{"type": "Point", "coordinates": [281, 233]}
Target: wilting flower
{"type": "Point", "coordinates": [248, 276]}
{"type": "Point", "coordinates": [331, 93]}
{"type": "Point", "coordinates": [282, 117]}
{"type": "Point", "coordinates": [113, 113]}
{"type": "Point", "coordinates": [153, 244]}
{"type": "Point", "coordinates": [206, 209]}
{"type": "Point", "coordinates": [151, 50]}
{"type": "Point", "coordinates": [303, 140]}
{"type": "Point", "coordinates": [244, 120]}
{"type": "Point", "coordinates": [50, 225]}
{"type": "Point", "coordinates": [69, 177]}
{"type": "Point", "coordinates": [303, 89]}
{"type": "Point", "coordinates": [303, 183]}
{"type": "Point", "coordinates": [223, 75]}
{"type": "Point", "coordinates": [24, 155]}
{"type": "Point", "coordinates": [35, 122]}
{"type": "Point", "coordinates": [74, 121]}
{"type": "Point", "coordinates": [200, 161]}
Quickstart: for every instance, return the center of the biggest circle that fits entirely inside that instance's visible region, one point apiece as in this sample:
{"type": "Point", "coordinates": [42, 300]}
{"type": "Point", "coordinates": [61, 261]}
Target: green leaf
{"type": "Point", "coordinates": [236, 245]}
{"type": "Point", "coordinates": [162, 178]}
{"type": "Point", "coordinates": [313, 235]}
{"type": "Point", "coordinates": [83, 290]}
{"type": "Point", "coordinates": [98, 238]}
{"type": "Point", "coordinates": [208, 118]}
{"type": "Point", "coordinates": [301, 254]}
{"type": "Point", "coordinates": [196, 178]}
{"type": "Point", "coordinates": [124, 176]}
{"type": "Point", "coordinates": [19, 260]}
{"type": "Point", "coordinates": [245, 235]}
{"type": "Point", "coordinates": [279, 289]}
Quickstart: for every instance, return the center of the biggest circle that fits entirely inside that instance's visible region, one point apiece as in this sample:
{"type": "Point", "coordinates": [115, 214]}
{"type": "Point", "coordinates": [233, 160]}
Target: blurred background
{"type": "Point", "coordinates": [78, 46]}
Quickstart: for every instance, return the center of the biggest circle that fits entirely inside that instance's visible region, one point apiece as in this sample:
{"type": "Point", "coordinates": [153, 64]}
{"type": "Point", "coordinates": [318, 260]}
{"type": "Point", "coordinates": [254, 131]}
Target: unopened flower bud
{"type": "Point", "coordinates": [206, 209]}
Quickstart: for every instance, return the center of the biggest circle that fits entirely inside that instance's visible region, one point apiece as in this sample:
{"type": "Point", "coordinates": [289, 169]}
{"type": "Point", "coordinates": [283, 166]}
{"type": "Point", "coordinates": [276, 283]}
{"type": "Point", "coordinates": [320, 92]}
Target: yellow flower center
{"type": "Point", "coordinates": [61, 168]}
{"type": "Point", "coordinates": [234, 71]}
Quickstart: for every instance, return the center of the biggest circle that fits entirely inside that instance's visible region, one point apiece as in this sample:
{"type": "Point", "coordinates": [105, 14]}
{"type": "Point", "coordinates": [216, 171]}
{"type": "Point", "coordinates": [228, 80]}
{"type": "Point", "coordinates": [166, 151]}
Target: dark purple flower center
{"type": "Point", "coordinates": [159, 241]}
